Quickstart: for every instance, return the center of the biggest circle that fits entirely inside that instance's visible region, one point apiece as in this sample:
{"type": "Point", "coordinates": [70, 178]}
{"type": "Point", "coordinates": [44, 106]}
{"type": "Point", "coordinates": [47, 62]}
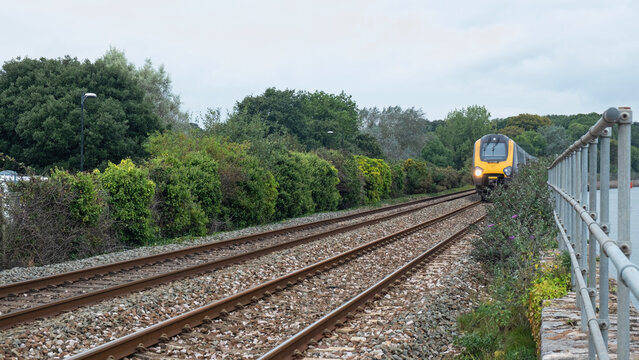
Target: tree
{"type": "Point", "coordinates": [316, 119]}
{"type": "Point", "coordinates": [401, 133]}
{"type": "Point", "coordinates": [556, 139]}
{"type": "Point", "coordinates": [511, 131]}
{"type": "Point", "coordinates": [435, 152]}
{"type": "Point", "coordinates": [533, 142]}
{"type": "Point", "coordinates": [40, 113]}
{"type": "Point", "coordinates": [157, 87]}
{"type": "Point", "coordinates": [528, 121]}
{"type": "Point", "coordinates": [461, 129]}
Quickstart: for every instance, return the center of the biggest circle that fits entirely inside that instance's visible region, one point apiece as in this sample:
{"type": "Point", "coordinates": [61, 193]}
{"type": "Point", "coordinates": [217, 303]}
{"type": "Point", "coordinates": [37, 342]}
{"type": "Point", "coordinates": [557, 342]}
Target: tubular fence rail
{"type": "Point", "coordinates": [573, 179]}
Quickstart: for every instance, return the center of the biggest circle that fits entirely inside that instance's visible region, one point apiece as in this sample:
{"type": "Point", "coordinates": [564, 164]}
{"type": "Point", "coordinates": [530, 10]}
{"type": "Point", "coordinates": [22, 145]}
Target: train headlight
{"type": "Point", "coordinates": [477, 171]}
{"type": "Point", "coordinates": [508, 171]}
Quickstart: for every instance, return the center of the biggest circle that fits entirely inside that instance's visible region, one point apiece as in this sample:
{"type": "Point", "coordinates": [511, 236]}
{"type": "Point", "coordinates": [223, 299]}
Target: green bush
{"type": "Point", "coordinates": [294, 197]}
{"type": "Point", "coordinates": [397, 186]}
{"type": "Point", "coordinates": [351, 181]}
{"type": "Point", "coordinates": [324, 181]}
{"type": "Point", "coordinates": [518, 229]}
{"type": "Point", "coordinates": [202, 174]}
{"type": "Point", "coordinates": [130, 194]}
{"type": "Point", "coordinates": [419, 177]}
{"type": "Point", "coordinates": [177, 212]}
{"type": "Point", "coordinates": [553, 281]}
{"type": "Point", "coordinates": [249, 192]}
{"type": "Point", "coordinates": [88, 202]}
{"type": "Point", "coordinates": [447, 178]}
{"type": "Point", "coordinates": [378, 178]}
{"type": "Point", "coordinates": [50, 221]}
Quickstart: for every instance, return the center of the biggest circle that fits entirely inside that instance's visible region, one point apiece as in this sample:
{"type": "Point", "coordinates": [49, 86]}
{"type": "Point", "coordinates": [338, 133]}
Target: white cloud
{"type": "Point", "coordinates": [525, 56]}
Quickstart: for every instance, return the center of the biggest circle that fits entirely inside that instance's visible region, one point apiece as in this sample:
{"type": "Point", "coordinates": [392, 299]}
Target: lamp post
{"type": "Point", "coordinates": [84, 96]}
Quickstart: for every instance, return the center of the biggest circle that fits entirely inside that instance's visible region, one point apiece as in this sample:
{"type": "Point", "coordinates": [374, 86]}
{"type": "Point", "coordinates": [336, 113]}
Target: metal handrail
{"type": "Point", "coordinates": [573, 178]}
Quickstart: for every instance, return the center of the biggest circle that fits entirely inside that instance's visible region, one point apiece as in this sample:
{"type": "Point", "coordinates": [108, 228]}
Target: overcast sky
{"type": "Point", "coordinates": [540, 56]}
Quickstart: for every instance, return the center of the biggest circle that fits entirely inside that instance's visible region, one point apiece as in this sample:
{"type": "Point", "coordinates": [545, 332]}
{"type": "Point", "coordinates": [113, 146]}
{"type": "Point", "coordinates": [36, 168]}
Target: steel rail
{"type": "Point", "coordinates": [314, 332]}
{"type": "Point", "coordinates": [162, 331]}
{"type": "Point", "coordinates": [44, 282]}
{"type": "Point", "coordinates": [21, 316]}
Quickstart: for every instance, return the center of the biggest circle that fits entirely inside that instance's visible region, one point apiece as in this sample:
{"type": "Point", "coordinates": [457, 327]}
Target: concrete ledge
{"type": "Point", "coordinates": [561, 335]}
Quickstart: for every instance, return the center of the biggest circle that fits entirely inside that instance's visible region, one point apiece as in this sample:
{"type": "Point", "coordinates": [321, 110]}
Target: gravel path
{"type": "Point", "coordinates": [70, 333]}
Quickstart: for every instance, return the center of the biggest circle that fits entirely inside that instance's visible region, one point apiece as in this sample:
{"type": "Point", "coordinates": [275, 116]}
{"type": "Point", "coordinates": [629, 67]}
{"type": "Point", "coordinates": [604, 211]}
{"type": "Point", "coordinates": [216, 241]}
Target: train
{"type": "Point", "coordinates": [496, 159]}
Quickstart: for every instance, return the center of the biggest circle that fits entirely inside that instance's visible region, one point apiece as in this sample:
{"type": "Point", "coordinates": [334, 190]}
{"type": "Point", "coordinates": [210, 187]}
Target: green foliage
{"type": "Point", "coordinates": [201, 172]}
{"type": "Point", "coordinates": [378, 178]}
{"type": "Point", "coordinates": [419, 177]}
{"type": "Point", "coordinates": [324, 181]}
{"type": "Point", "coordinates": [157, 88]}
{"type": "Point", "coordinates": [512, 131]}
{"type": "Point", "coordinates": [294, 197]}
{"type": "Point", "coordinates": [368, 146]}
{"type": "Point", "coordinates": [40, 113]}
{"type": "Point", "coordinates": [399, 178]}
{"type": "Point", "coordinates": [519, 228]}
{"type": "Point", "coordinates": [461, 129]}
{"type": "Point", "coordinates": [351, 182]}
{"type": "Point", "coordinates": [130, 194]}
{"type": "Point", "coordinates": [400, 133]}
{"type": "Point", "coordinates": [307, 116]}
{"type": "Point", "coordinates": [533, 142]}
{"type": "Point", "coordinates": [556, 139]}
{"type": "Point", "coordinates": [528, 121]}
{"type": "Point", "coordinates": [249, 192]}
{"type": "Point", "coordinates": [177, 211]}
{"type": "Point", "coordinates": [49, 221]}
{"type": "Point", "coordinates": [435, 152]}
{"type": "Point", "coordinates": [88, 202]}
{"type": "Point", "coordinates": [553, 281]}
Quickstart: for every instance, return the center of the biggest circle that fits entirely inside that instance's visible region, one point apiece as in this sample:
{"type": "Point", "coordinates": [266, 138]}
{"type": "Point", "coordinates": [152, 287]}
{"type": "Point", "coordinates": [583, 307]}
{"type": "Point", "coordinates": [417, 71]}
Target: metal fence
{"type": "Point", "coordinates": [583, 226]}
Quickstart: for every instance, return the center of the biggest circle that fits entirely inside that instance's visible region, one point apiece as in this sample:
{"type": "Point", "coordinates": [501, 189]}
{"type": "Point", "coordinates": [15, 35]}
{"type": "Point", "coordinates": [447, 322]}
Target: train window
{"type": "Point", "coordinates": [494, 151]}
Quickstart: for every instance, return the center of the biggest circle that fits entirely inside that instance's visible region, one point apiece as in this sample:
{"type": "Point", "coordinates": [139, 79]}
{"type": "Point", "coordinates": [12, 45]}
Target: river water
{"type": "Point", "coordinates": [634, 228]}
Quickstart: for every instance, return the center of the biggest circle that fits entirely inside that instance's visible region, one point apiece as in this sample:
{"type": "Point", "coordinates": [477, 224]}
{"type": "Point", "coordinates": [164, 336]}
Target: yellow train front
{"type": "Point", "coordinates": [495, 159]}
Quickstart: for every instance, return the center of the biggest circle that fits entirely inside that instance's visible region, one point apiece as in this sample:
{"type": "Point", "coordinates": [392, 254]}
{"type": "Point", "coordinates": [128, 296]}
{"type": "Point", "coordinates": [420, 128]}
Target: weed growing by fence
{"type": "Point", "coordinates": [518, 229]}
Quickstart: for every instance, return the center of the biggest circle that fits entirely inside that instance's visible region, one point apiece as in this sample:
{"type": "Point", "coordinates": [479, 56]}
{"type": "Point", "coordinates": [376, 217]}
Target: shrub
{"type": "Point", "coordinates": [201, 172]}
{"type": "Point", "coordinates": [294, 197]}
{"type": "Point", "coordinates": [88, 203]}
{"type": "Point", "coordinates": [419, 177]}
{"type": "Point", "coordinates": [397, 186]}
{"type": "Point", "coordinates": [447, 178]}
{"type": "Point", "coordinates": [378, 178]}
{"type": "Point", "coordinates": [351, 181]}
{"type": "Point", "coordinates": [249, 192]}
{"type": "Point", "coordinates": [324, 181]}
{"type": "Point", "coordinates": [176, 211]}
{"type": "Point", "coordinates": [518, 229]}
{"type": "Point", "coordinates": [553, 281]}
{"type": "Point", "coordinates": [130, 195]}
{"type": "Point", "coordinates": [47, 221]}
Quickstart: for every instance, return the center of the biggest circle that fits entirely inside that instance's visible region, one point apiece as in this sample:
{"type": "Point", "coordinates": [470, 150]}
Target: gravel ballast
{"type": "Point", "coordinates": [90, 326]}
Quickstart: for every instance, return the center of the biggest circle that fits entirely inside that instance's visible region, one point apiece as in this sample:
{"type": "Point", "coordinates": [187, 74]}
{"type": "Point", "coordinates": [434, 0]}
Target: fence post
{"type": "Point", "coordinates": [604, 222]}
{"type": "Point", "coordinates": [623, 224]}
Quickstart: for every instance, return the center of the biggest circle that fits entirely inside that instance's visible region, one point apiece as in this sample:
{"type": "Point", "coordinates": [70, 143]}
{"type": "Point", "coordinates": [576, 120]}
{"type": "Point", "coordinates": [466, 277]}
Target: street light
{"type": "Point", "coordinates": [84, 96]}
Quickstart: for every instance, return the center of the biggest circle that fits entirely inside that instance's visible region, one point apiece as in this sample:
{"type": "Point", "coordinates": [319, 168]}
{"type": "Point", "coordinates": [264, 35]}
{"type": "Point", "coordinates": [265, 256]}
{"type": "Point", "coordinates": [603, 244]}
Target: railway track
{"type": "Point", "coordinates": [29, 300]}
{"type": "Point", "coordinates": [253, 321]}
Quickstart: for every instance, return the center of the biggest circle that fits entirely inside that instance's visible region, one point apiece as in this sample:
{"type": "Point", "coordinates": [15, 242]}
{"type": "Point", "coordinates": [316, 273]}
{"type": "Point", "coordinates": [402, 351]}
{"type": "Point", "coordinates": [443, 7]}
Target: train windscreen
{"type": "Point", "coordinates": [494, 151]}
